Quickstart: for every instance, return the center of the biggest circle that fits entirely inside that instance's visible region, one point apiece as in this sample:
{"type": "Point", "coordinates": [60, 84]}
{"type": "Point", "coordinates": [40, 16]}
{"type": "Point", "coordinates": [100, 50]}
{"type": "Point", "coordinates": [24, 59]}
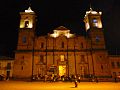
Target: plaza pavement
{"type": "Point", "coordinates": [22, 85]}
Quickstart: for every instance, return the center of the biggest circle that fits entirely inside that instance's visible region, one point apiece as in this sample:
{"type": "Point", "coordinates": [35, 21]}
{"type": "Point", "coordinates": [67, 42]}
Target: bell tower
{"type": "Point", "coordinates": [26, 29]}
{"type": "Point", "coordinates": [96, 44]}
{"type": "Point", "coordinates": [93, 25]}
{"type": "Point", "coordinates": [23, 64]}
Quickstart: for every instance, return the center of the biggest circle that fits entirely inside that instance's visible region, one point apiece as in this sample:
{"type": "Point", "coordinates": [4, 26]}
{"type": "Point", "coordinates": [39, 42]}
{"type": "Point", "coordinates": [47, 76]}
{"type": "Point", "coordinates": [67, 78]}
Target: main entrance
{"type": "Point", "coordinates": [62, 70]}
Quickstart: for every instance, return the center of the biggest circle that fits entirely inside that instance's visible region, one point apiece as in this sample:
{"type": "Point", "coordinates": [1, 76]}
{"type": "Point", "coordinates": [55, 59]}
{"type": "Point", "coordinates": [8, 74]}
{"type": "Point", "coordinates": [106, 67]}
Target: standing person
{"type": "Point", "coordinates": [115, 78]}
{"type": "Point", "coordinates": [45, 78]}
{"type": "Point", "coordinates": [75, 81]}
{"type": "Point", "coordinates": [51, 78]}
{"type": "Point", "coordinates": [79, 79]}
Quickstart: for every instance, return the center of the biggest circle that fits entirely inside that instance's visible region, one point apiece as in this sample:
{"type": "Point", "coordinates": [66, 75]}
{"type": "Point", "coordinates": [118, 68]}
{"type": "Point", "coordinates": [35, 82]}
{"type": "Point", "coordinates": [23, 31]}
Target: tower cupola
{"type": "Point", "coordinates": [92, 19]}
{"type": "Point", "coordinates": [27, 18]}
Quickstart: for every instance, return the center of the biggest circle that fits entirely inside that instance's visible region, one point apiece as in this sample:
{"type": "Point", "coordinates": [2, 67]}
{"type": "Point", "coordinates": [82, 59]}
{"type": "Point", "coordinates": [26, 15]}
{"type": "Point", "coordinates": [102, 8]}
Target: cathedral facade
{"type": "Point", "coordinates": [61, 52]}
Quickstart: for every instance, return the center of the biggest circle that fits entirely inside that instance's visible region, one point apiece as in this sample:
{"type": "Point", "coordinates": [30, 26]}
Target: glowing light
{"type": "Point", "coordinates": [87, 26]}
{"type": "Point", "coordinates": [99, 25]}
{"type": "Point", "coordinates": [67, 35]}
{"type": "Point", "coordinates": [92, 12]}
{"type": "Point", "coordinates": [62, 57]}
{"type": "Point", "coordinates": [29, 25]}
{"type": "Point", "coordinates": [100, 13]}
{"type": "Point", "coordinates": [96, 23]}
{"type": "Point", "coordinates": [57, 33]}
{"type": "Point", "coordinates": [62, 70]}
{"type": "Point", "coordinates": [29, 10]}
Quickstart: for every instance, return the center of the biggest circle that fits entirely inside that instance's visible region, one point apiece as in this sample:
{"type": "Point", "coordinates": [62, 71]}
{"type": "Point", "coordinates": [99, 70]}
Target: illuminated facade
{"type": "Point", "coordinates": [61, 53]}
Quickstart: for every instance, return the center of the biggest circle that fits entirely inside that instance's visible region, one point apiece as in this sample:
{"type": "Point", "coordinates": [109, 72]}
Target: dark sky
{"type": "Point", "coordinates": [54, 13]}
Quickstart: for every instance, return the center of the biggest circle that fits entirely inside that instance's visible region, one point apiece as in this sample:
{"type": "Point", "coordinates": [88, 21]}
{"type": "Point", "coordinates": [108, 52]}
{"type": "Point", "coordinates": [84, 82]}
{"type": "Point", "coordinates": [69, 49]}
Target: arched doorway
{"type": "Point", "coordinates": [62, 70]}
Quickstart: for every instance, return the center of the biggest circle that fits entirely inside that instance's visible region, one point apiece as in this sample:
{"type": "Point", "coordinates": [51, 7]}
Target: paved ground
{"type": "Point", "coordinates": [21, 85]}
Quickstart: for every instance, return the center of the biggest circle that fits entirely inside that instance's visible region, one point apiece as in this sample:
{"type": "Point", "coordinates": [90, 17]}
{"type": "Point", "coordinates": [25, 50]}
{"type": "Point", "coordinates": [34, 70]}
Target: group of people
{"type": "Point", "coordinates": [54, 78]}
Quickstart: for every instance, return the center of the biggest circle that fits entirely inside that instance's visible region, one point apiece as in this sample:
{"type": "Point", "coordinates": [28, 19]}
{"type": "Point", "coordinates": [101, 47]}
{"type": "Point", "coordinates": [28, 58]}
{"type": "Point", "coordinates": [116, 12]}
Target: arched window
{"type": "Point", "coordinates": [41, 59]}
{"type": "Point", "coordinates": [26, 24]}
{"type": "Point", "coordinates": [81, 44]}
{"type": "Point", "coordinates": [42, 45]}
{"type": "Point", "coordinates": [62, 57]}
{"type": "Point", "coordinates": [8, 65]}
{"type": "Point", "coordinates": [95, 22]}
{"type": "Point", "coordinates": [21, 67]}
{"type": "Point", "coordinates": [24, 39]}
{"type": "Point", "coordinates": [97, 38]}
{"type": "Point", "coordinates": [62, 45]}
{"type": "Point", "coordinates": [82, 58]}
{"type": "Point", "coordinates": [118, 64]}
{"type": "Point", "coordinates": [113, 64]}
{"type": "Point", "coordinates": [22, 57]}
{"type": "Point", "coordinates": [102, 67]}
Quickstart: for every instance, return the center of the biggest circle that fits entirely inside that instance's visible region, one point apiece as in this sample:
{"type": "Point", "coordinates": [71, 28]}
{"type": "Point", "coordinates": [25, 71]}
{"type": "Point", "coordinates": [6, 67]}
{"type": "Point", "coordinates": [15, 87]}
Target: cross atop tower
{"type": "Point", "coordinates": [91, 7]}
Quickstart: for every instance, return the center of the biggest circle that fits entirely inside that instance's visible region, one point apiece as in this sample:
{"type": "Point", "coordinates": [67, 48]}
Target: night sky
{"type": "Point", "coordinates": [54, 13]}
